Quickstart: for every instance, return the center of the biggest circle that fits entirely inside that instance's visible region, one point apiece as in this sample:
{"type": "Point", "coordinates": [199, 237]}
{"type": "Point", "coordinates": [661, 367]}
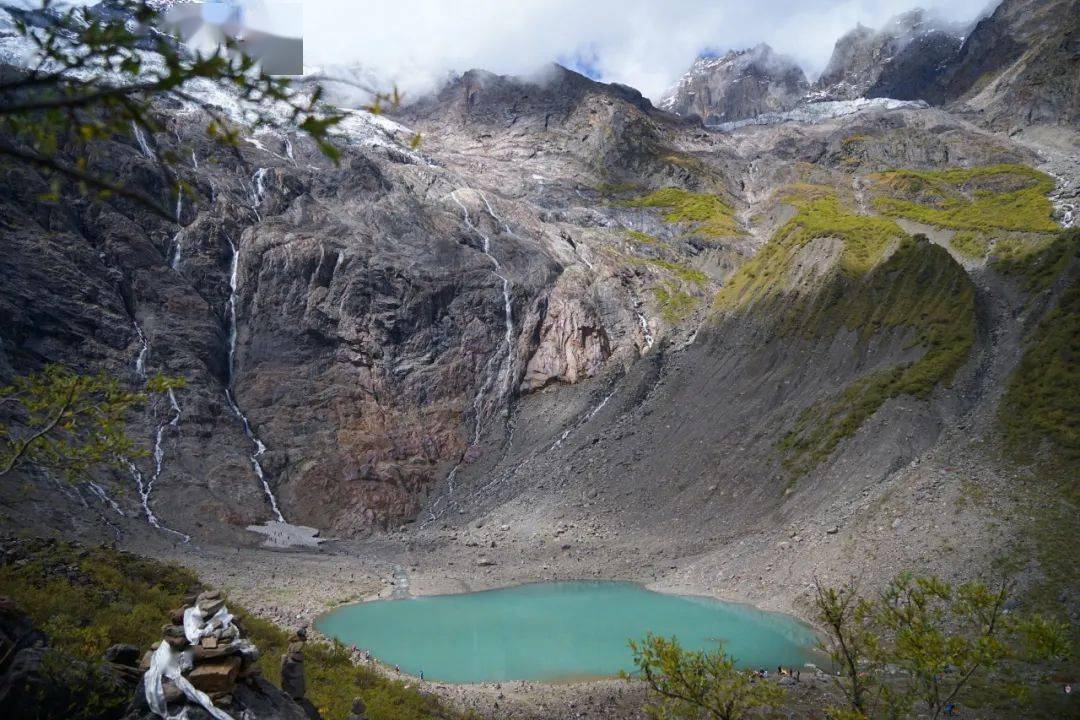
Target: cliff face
{"type": "Point", "coordinates": [902, 60]}
{"type": "Point", "coordinates": [1016, 66]}
{"type": "Point", "coordinates": [347, 333]}
{"type": "Point", "coordinates": [739, 85]}
{"type": "Point", "coordinates": [1019, 65]}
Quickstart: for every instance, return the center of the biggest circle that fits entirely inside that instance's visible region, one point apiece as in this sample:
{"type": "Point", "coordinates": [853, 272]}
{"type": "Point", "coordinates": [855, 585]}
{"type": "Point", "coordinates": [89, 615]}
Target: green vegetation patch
{"type": "Point", "coordinates": [711, 215]}
{"type": "Point", "coordinates": [970, 243]}
{"type": "Point", "coordinates": [919, 288]}
{"type": "Point", "coordinates": [87, 599]}
{"type": "Point", "coordinates": [995, 197]}
{"type": "Point", "coordinates": [1042, 401]}
{"type": "Point", "coordinates": [1035, 262]}
{"type": "Point", "coordinates": [643, 238]}
{"type": "Point", "coordinates": [819, 214]}
{"type": "Point", "coordinates": [674, 304]}
{"type": "Point", "coordinates": [685, 273]}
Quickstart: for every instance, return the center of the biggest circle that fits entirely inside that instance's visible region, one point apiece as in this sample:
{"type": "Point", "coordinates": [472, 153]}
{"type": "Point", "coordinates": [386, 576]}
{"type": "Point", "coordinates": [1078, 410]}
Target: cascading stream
{"type": "Point", "coordinates": [142, 486]}
{"type": "Point", "coordinates": [505, 364]}
{"type": "Point", "coordinates": [259, 447]}
{"type": "Point", "coordinates": [141, 139]}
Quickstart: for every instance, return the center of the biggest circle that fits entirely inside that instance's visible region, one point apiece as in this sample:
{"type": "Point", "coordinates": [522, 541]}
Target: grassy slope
{"type": "Point", "coordinates": [918, 289]}
{"type": "Point", "coordinates": [987, 198]}
{"type": "Point", "coordinates": [89, 598]}
{"type": "Point", "coordinates": [708, 213]}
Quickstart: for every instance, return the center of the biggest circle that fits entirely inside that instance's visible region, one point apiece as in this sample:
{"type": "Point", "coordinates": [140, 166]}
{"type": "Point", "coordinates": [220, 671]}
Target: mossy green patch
{"type": "Point", "coordinates": [86, 599]}
{"type": "Point", "coordinates": [1042, 401]}
{"type": "Point", "coordinates": [1035, 262]}
{"type": "Point", "coordinates": [987, 198]}
{"type": "Point", "coordinates": [685, 273]}
{"type": "Point", "coordinates": [674, 304]}
{"type": "Point", "coordinates": [643, 238]}
{"type": "Point", "coordinates": [919, 289]}
{"type": "Point", "coordinates": [819, 214]}
{"type": "Point", "coordinates": [709, 214]}
{"type": "Point", "coordinates": [970, 243]}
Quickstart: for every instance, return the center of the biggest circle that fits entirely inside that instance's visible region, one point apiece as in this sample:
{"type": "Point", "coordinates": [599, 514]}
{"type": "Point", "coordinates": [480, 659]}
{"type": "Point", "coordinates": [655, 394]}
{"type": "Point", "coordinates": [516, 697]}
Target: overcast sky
{"type": "Point", "coordinates": [644, 43]}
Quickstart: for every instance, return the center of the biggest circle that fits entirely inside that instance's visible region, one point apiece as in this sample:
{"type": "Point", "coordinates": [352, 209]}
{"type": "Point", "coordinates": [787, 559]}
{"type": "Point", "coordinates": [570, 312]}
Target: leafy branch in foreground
{"type": "Point", "coordinates": [94, 73]}
{"type": "Point", "coordinates": [68, 423]}
{"type": "Point", "coordinates": [941, 639]}
{"type": "Point", "coordinates": [690, 685]}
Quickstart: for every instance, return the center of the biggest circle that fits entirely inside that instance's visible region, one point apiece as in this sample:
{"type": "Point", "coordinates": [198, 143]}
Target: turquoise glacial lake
{"type": "Point", "coordinates": [552, 632]}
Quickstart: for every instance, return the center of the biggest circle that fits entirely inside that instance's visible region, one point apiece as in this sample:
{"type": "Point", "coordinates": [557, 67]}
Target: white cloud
{"type": "Point", "coordinates": [644, 43]}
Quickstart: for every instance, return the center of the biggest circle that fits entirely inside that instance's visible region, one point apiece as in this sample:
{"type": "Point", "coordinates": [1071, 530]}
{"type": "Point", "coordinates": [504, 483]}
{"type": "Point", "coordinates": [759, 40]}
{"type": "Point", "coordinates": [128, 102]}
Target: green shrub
{"type": "Point", "coordinates": [674, 304]}
{"type": "Point", "coordinates": [970, 244]}
{"type": "Point", "coordinates": [1042, 401]}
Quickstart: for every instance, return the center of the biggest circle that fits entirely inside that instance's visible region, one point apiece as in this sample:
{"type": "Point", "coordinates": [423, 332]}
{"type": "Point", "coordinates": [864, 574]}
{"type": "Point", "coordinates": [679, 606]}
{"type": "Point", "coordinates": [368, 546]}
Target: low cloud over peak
{"type": "Point", "coordinates": [647, 44]}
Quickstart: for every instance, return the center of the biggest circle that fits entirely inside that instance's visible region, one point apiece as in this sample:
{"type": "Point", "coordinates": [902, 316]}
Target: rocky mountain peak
{"type": "Point", "coordinates": [737, 85]}
{"type": "Point", "coordinates": [902, 60]}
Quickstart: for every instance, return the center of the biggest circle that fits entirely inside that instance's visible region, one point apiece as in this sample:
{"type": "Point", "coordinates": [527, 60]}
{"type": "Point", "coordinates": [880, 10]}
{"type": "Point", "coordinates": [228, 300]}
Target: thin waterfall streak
{"type": "Point", "coordinates": [104, 497]}
{"type": "Point", "coordinates": [141, 139]}
{"type": "Point", "coordinates": [178, 247]}
{"type": "Point", "coordinates": [257, 444]}
{"type": "Point", "coordinates": [505, 365]}
{"type": "Point", "coordinates": [646, 333]}
{"type": "Point", "coordinates": [144, 350]}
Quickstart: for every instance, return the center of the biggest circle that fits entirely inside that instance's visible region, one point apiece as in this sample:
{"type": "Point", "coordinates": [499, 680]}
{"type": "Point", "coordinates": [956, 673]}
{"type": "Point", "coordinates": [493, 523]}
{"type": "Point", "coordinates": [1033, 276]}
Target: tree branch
{"type": "Point", "coordinates": [35, 158]}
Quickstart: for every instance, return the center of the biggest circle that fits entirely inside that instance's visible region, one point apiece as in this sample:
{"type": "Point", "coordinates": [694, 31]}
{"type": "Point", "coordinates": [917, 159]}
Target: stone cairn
{"type": "Point", "coordinates": [219, 659]}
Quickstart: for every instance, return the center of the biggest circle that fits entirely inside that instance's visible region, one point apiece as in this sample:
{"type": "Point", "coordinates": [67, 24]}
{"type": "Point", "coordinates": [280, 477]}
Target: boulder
{"type": "Point", "coordinates": [216, 675]}
{"type": "Point", "coordinates": [359, 710]}
{"type": "Point", "coordinates": [123, 654]}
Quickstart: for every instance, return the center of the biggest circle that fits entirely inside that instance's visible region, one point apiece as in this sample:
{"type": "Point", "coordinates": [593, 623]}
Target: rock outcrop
{"type": "Point", "coordinates": [903, 60]}
{"type": "Point", "coordinates": [738, 85]}
{"type": "Point", "coordinates": [1019, 65]}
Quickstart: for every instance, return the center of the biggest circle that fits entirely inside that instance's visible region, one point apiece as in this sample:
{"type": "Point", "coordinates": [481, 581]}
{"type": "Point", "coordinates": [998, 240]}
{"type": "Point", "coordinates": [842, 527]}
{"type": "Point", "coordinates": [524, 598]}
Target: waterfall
{"type": "Point", "coordinates": [141, 139]}
{"type": "Point", "coordinates": [259, 447]}
{"type": "Point", "coordinates": [174, 263]}
{"type": "Point", "coordinates": [505, 365]}
{"type": "Point", "coordinates": [179, 204]}
{"type": "Point", "coordinates": [258, 189]}
{"type": "Point", "coordinates": [649, 340]}
{"type": "Point", "coordinates": [145, 487]}
{"type": "Point", "coordinates": [144, 494]}
{"type": "Point", "coordinates": [589, 416]}
{"type": "Point", "coordinates": [508, 318]}
{"type": "Point", "coordinates": [288, 148]}
{"type": "Point", "coordinates": [194, 160]}
{"type": "Point", "coordinates": [144, 350]}
{"type": "Point", "coordinates": [104, 497]}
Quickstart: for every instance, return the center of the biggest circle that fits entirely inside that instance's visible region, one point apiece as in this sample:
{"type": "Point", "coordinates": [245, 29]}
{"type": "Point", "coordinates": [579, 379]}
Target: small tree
{"type": "Point", "coordinates": [691, 685]}
{"type": "Point", "coordinates": [851, 646]}
{"type": "Point", "coordinates": [68, 423]}
{"type": "Point", "coordinates": [940, 638]}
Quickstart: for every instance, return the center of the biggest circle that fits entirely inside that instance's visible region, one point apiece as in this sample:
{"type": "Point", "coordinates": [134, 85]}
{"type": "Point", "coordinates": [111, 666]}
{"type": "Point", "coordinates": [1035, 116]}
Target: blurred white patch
{"type": "Point", "coordinates": [270, 32]}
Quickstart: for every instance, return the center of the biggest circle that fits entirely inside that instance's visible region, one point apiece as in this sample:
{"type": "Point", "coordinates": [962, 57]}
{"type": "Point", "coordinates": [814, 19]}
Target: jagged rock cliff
{"type": "Point", "coordinates": [902, 60]}
{"type": "Point", "coordinates": [741, 84]}
{"type": "Point", "coordinates": [1019, 65]}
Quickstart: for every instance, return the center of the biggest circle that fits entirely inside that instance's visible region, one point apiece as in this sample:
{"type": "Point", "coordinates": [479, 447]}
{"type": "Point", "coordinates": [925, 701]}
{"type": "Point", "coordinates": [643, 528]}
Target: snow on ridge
{"type": "Point", "coordinates": [816, 112]}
